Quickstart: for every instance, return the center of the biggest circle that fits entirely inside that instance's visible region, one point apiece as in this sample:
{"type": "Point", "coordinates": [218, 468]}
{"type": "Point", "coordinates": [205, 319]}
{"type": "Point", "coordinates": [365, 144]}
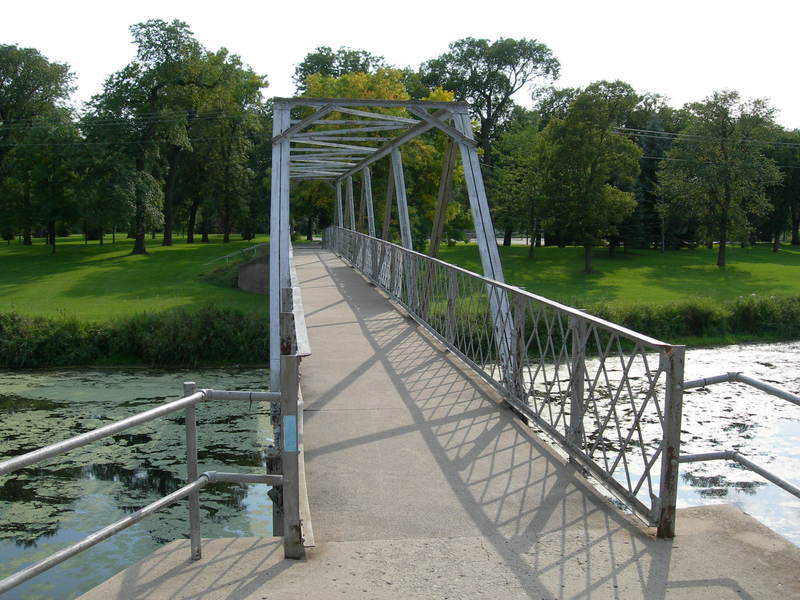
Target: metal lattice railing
{"type": "Point", "coordinates": [610, 397]}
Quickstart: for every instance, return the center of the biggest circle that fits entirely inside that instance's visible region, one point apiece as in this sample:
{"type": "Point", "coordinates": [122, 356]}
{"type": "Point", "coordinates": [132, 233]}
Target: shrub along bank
{"type": "Point", "coordinates": [703, 321]}
{"type": "Point", "coordinates": [174, 338]}
{"type": "Point", "coordinates": [213, 336]}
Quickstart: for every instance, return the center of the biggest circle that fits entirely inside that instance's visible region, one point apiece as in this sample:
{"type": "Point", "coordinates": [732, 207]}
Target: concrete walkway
{"type": "Point", "coordinates": [422, 485]}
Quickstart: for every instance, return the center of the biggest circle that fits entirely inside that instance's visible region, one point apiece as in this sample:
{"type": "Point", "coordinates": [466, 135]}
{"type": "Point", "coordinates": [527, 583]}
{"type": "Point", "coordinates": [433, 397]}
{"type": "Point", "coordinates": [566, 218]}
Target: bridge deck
{"type": "Point", "coordinates": [422, 485]}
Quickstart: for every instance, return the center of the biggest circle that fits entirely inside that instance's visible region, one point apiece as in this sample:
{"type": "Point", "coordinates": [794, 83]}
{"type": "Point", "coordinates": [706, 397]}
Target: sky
{"type": "Point", "coordinates": [680, 49]}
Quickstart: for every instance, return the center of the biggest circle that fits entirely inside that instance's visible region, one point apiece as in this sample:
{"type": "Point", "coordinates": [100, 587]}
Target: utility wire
{"type": "Point", "coordinates": [25, 124]}
{"type": "Point", "coordinates": [121, 142]}
{"type": "Point", "coordinates": [666, 135]}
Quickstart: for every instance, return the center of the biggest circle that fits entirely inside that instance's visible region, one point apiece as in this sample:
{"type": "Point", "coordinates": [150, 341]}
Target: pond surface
{"type": "Point", "coordinates": [48, 506]}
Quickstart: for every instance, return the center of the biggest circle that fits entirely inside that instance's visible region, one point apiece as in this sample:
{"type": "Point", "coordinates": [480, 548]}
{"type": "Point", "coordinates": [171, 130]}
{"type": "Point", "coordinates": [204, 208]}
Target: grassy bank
{"type": "Point", "coordinates": [96, 283]}
{"type": "Point", "coordinates": [98, 305]}
{"type": "Point", "coordinates": [643, 276]}
{"type": "Point", "coordinates": [679, 296]}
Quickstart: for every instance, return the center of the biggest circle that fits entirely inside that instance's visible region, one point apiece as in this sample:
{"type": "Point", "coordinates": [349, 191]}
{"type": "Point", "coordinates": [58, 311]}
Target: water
{"type": "Point", "coordinates": [732, 416]}
{"type": "Point", "coordinates": [58, 502]}
{"type": "Point", "coordinates": [61, 501]}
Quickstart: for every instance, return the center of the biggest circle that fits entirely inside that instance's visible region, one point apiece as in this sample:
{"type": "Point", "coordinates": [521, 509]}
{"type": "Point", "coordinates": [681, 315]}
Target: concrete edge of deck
{"type": "Point", "coordinates": [695, 565]}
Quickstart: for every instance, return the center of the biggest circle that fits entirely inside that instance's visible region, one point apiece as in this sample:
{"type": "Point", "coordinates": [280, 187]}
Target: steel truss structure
{"type": "Point", "coordinates": [336, 138]}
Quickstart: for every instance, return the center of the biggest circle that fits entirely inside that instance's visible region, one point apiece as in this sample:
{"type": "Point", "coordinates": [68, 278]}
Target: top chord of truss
{"type": "Point", "coordinates": [342, 136]}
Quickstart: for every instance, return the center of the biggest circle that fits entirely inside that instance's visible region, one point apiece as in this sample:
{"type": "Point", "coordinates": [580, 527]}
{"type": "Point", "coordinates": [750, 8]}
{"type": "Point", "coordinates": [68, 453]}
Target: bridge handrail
{"type": "Point", "coordinates": [575, 312]}
{"type": "Point", "coordinates": [563, 369]}
{"type": "Point", "coordinates": [253, 249]}
{"type": "Point", "coordinates": [732, 455]}
{"type": "Point", "coordinates": [196, 482]}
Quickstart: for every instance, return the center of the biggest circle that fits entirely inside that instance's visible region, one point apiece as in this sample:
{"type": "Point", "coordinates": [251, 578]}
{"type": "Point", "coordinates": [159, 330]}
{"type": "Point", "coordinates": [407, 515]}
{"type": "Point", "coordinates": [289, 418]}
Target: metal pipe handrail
{"type": "Point", "coordinates": [744, 461]}
{"type": "Point", "coordinates": [242, 251]}
{"type": "Point", "coordinates": [106, 532]}
{"type": "Point", "coordinates": [64, 446]}
{"type": "Point", "coordinates": [737, 377]}
{"type": "Point", "coordinates": [574, 312]}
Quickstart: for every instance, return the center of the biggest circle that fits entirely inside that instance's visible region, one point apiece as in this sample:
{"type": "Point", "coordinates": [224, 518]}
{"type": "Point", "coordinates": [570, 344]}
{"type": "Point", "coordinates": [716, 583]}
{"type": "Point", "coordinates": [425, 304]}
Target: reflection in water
{"type": "Point", "coordinates": [55, 503]}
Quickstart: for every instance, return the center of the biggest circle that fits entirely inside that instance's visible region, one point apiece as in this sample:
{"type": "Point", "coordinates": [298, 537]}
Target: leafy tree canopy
{"type": "Point", "coordinates": [717, 168]}
{"type": "Point", "coordinates": [327, 62]}
{"type": "Point", "coordinates": [30, 86]}
{"type": "Point", "coordinates": [585, 166]}
{"type": "Point", "coordinates": [487, 74]}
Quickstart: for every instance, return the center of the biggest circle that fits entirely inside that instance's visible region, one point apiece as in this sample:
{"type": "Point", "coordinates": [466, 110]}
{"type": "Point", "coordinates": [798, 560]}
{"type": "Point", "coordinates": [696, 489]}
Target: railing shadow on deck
{"type": "Point", "coordinates": [552, 528]}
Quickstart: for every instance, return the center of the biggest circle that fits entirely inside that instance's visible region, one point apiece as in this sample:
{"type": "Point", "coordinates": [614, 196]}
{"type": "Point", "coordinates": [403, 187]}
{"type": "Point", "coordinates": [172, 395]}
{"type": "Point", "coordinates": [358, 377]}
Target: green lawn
{"type": "Point", "coordinates": [96, 282]}
{"type": "Point", "coordinates": [643, 276]}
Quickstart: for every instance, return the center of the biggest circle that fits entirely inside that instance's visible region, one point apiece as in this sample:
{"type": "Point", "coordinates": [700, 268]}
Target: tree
{"type": "Point", "coordinates": [324, 61]}
{"type": "Point", "coordinates": [513, 180]}
{"type": "Point", "coordinates": [553, 103]}
{"type": "Point", "coordinates": [785, 197]}
{"type": "Point", "coordinates": [30, 86]}
{"type": "Point", "coordinates": [487, 74]}
{"type": "Point", "coordinates": [47, 158]}
{"type": "Point", "coordinates": [717, 168]}
{"type": "Point", "coordinates": [144, 101]}
{"type": "Point", "coordinates": [583, 164]}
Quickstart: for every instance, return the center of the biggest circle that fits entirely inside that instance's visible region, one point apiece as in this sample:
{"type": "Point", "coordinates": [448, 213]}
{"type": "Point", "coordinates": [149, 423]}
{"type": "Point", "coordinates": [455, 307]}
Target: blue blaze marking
{"type": "Point", "coordinates": [290, 433]}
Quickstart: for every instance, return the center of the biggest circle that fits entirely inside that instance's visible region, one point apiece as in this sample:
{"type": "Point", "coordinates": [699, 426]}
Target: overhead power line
{"type": "Point", "coordinates": [25, 124]}
{"type": "Point", "coordinates": [666, 135]}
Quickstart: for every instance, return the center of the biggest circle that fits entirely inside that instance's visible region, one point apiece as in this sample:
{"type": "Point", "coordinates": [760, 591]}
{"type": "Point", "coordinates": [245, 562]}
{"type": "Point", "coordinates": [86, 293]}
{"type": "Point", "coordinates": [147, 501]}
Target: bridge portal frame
{"type": "Point", "coordinates": [362, 131]}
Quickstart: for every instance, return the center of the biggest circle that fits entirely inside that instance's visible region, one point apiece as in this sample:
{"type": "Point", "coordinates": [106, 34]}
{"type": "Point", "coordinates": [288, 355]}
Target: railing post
{"type": "Point", "coordinates": [452, 293]}
{"type": "Point", "coordinates": [672, 360]}
{"type": "Point", "coordinates": [189, 388]}
{"type": "Point", "coordinates": [392, 272]}
{"type": "Point", "coordinates": [374, 270]}
{"type": "Point", "coordinates": [293, 527]}
{"type": "Point", "coordinates": [520, 349]}
{"type": "Point", "coordinates": [288, 340]}
{"type": "Point", "coordinates": [274, 467]}
{"type": "Point", "coordinates": [575, 434]}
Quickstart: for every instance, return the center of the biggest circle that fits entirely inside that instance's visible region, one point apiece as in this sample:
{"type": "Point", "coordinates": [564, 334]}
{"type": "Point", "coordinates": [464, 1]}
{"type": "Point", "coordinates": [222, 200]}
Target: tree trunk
{"type": "Point", "coordinates": [226, 226]}
{"type": "Point", "coordinates": [26, 237]}
{"type": "Point", "coordinates": [138, 232]}
{"type": "Point", "coordinates": [101, 236]}
{"type": "Point", "coordinates": [723, 245]}
{"type": "Point", "coordinates": [114, 234]}
{"type": "Point", "coordinates": [138, 244]}
{"type": "Point", "coordinates": [169, 193]}
{"type": "Point", "coordinates": [796, 225]}
{"type": "Point", "coordinates": [192, 221]}
{"type": "Point", "coordinates": [310, 229]}
{"type": "Point", "coordinates": [723, 228]}
{"type": "Point", "coordinates": [587, 258]}
{"type": "Point", "coordinates": [776, 241]}
{"type": "Point", "coordinates": [507, 236]}
{"type": "Point", "coordinates": [51, 232]}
